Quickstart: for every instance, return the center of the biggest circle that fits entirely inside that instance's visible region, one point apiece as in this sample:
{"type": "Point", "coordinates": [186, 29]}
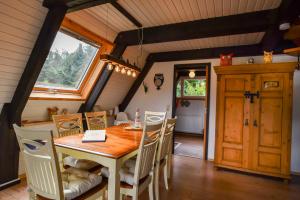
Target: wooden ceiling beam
{"type": "Point", "coordinates": [75, 5]}
{"type": "Point", "coordinates": [101, 82]}
{"type": "Point", "coordinates": [228, 25]}
{"type": "Point", "coordinates": [126, 14]}
{"type": "Point", "coordinates": [286, 13]}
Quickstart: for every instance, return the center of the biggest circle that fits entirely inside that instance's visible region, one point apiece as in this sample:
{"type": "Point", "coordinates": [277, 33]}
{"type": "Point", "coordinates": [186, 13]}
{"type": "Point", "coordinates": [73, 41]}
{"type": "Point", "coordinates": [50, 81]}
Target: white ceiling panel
{"type": "Point", "coordinates": [161, 12]}
{"type": "Point", "coordinates": [221, 41]}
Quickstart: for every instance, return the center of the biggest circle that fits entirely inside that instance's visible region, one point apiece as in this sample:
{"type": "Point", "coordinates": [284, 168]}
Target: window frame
{"type": "Point", "coordinates": [77, 31]}
{"type": "Point", "coordinates": [181, 81]}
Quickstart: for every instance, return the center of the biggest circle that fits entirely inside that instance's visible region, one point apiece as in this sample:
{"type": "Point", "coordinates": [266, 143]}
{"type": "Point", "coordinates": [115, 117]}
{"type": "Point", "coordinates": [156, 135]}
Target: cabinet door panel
{"type": "Point", "coordinates": [233, 112]}
{"type": "Point", "coordinates": [270, 134]}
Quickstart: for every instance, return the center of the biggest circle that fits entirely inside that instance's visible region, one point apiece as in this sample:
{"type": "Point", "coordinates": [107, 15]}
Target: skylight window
{"type": "Point", "coordinates": [67, 63]}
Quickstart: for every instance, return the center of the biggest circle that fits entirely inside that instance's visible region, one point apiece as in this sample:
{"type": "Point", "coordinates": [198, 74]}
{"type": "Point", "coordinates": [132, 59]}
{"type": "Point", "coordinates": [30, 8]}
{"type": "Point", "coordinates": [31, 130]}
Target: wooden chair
{"type": "Point", "coordinates": [96, 120]}
{"type": "Point", "coordinates": [135, 181]}
{"type": "Point", "coordinates": [45, 181]}
{"type": "Point", "coordinates": [164, 152]}
{"type": "Point", "coordinates": [71, 124]}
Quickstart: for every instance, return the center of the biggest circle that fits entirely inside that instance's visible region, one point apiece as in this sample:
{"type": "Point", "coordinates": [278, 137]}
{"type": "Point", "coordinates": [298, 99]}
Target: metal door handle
{"type": "Point", "coordinates": [246, 123]}
{"type": "Point", "coordinates": [255, 123]}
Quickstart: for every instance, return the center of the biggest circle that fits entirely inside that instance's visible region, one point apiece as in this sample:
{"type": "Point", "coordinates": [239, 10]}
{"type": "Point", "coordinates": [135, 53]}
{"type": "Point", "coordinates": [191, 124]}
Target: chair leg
{"type": "Point", "coordinates": [151, 191]}
{"type": "Point", "coordinates": [156, 181]}
{"type": "Point", "coordinates": [166, 176]}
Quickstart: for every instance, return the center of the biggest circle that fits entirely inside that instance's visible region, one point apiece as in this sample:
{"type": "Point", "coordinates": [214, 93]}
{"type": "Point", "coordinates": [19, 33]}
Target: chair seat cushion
{"type": "Point", "coordinates": [79, 163]}
{"type": "Point", "coordinates": [125, 175]}
{"type": "Point", "coordinates": [76, 182]}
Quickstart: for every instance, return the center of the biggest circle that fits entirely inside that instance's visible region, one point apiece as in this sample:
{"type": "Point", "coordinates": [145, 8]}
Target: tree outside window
{"type": "Point", "coordinates": [191, 88]}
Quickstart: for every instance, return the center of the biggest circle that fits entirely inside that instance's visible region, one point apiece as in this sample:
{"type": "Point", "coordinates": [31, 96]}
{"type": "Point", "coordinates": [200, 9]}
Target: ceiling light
{"type": "Point", "coordinates": [134, 74]}
{"type": "Point", "coordinates": [129, 72]}
{"type": "Point", "coordinates": [117, 68]}
{"type": "Point", "coordinates": [192, 74]}
{"type": "Point", "coordinates": [123, 71]}
{"type": "Point", "coordinates": [110, 66]}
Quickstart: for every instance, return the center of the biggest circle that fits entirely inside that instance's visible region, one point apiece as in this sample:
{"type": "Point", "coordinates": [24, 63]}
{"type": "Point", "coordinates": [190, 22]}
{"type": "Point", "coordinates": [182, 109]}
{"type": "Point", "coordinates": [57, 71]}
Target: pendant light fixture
{"type": "Point", "coordinates": [192, 74]}
{"type": "Point", "coordinates": [117, 64]}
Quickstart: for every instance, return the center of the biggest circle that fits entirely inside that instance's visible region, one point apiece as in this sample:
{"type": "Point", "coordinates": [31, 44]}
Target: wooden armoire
{"type": "Point", "coordinates": [254, 118]}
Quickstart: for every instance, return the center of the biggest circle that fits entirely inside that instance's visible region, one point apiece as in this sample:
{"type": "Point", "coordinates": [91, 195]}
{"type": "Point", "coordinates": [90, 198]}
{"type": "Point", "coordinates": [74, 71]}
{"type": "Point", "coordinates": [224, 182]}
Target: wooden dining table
{"type": "Point", "coordinates": [120, 145]}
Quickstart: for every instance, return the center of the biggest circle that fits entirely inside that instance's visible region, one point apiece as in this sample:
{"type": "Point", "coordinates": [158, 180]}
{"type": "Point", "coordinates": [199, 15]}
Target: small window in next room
{"type": "Point", "coordinates": [67, 64]}
{"type": "Point", "coordinates": [191, 88]}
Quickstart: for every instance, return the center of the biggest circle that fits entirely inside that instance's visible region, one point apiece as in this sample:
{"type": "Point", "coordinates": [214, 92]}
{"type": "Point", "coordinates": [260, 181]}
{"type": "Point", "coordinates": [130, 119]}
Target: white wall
{"type": "Point", "coordinates": [159, 100]}
{"type": "Point", "coordinates": [36, 110]}
{"type": "Point", "coordinates": [191, 119]}
{"type": "Point", "coordinates": [20, 23]}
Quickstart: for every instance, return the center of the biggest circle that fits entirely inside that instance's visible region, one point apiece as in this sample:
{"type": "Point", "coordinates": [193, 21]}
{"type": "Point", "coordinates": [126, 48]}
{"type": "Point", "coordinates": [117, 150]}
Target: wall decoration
{"type": "Point", "coordinates": [185, 103]}
{"type": "Point", "coordinates": [145, 87]}
{"type": "Point", "coordinates": [250, 61]}
{"type": "Point", "coordinates": [52, 111]}
{"type": "Point", "coordinates": [64, 111]}
{"type": "Point", "coordinates": [268, 57]}
{"type": "Point", "coordinates": [226, 60]}
{"type": "Point", "coordinates": [158, 80]}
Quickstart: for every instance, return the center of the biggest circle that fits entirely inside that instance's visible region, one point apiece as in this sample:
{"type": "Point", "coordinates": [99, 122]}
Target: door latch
{"type": "Point", "coordinates": [249, 95]}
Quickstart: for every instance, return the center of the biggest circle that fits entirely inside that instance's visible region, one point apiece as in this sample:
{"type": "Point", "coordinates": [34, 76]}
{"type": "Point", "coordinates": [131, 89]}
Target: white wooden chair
{"type": "Point", "coordinates": [135, 180]}
{"type": "Point", "coordinates": [71, 124]}
{"type": "Point", "coordinates": [164, 154]}
{"type": "Point", "coordinates": [45, 181]}
{"type": "Point", "coordinates": [96, 120]}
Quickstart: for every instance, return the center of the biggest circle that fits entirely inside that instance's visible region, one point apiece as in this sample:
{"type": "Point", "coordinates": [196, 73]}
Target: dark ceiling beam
{"type": "Point", "coordinates": [196, 54]}
{"type": "Point", "coordinates": [219, 26]}
{"type": "Point", "coordinates": [36, 61]}
{"type": "Point", "coordinates": [75, 5]}
{"type": "Point", "coordinates": [286, 13]}
{"type": "Point", "coordinates": [104, 77]}
{"type": "Point", "coordinates": [126, 14]}
{"type": "Point", "coordinates": [11, 112]}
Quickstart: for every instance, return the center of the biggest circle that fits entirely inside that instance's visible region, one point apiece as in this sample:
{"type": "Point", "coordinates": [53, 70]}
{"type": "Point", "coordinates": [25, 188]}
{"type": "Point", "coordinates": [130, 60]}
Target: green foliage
{"type": "Point", "coordinates": [65, 69]}
{"type": "Point", "coordinates": [192, 87]}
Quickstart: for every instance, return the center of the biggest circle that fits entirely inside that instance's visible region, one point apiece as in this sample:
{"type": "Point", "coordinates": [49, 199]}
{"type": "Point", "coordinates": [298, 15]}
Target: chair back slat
{"type": "Point", "coordinates": [165, 144]}
{"type": "Point", "coordinates": [96, 120]}
{"type": "Point", "coordinates": [69, 124]}
{"type": "Point", "coordinates": [41, 163]}
{"type": "Point", "coordinates": [147, 151]}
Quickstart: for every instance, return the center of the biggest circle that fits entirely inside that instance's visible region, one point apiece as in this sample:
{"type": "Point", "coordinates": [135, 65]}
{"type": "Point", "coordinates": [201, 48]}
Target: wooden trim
{"type": "Point", "coordinates": [126, 14]}
{"type": "Point", "coordinates": [65, 94]}
{"type": "Point", "coordinates": [219, 26]}
{"type": "Point", "coordinates": [256, 68]}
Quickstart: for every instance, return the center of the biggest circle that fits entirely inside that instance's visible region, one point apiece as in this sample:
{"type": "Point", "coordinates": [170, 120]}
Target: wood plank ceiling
{"type": "Point", "coordinates": [161, 12]}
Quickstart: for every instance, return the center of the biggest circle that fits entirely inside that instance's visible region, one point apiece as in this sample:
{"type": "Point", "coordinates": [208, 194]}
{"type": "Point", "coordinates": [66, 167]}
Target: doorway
{"type": "Point", "coordinates": [191, 89]}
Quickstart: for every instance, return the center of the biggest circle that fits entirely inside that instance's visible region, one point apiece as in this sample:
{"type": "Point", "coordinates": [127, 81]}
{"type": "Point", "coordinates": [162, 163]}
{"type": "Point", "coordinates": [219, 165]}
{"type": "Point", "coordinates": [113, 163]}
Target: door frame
{"type": "Point", "coordinates": [207, 68]}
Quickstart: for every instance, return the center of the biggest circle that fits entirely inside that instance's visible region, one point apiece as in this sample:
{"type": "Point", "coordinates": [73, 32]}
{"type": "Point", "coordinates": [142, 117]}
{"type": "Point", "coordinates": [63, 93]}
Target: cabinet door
{"type": "Point", "coordinates": [271, 123]}
{"type": "Point", "coordinates": [232, 118]}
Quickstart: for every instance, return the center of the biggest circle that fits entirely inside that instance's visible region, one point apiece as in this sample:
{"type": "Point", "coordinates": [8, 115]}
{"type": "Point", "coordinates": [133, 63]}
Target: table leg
{"type": "Point", "coordinates": [114, 180]}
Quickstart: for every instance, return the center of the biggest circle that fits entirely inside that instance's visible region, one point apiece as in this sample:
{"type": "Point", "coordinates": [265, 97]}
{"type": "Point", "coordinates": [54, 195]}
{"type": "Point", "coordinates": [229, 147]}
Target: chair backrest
{"type": "Point", "coordinates": [165, 143]}
{"type": "Point", "coordinates": [153, 124]}
{"type": "Point", "coordinates": [96, 120]}
{"type": "Point", "coordinates": [41, 163]}
{"type": "Point", "coordinates": [69, 124]}
{"type": "Point", "coordinates": [122, 116]}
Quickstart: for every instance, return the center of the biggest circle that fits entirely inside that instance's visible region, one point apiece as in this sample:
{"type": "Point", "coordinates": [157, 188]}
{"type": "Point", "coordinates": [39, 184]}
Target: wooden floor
{"type": "Point", "coordinates": [195, 179]}
{"type": "Point", "coordinates": [189, 145]}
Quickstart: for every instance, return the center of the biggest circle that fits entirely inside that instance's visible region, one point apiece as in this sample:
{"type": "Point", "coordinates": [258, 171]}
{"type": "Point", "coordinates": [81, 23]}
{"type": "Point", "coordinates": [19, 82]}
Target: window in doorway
{"type": "Point", "coordinates": [193, 88]}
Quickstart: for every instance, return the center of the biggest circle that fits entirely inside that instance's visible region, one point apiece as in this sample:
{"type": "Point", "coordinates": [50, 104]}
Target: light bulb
{"type": "Point", "coordinates": [123, 71]}
{"type": "Point", "coordinates": [134, 74]}
{"type": "Point", "coordinates": [129, 72]}
{"type": "Point", "coordinates": [110, 66]}
{"type": "Point", "coordinates": [192, 74]}
{"type": "Point", "coordinates": [117, 68]}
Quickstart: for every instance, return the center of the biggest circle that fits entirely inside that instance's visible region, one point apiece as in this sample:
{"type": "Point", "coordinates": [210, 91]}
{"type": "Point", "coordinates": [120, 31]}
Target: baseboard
{"type": "Point", "coordinates": [188, 133]}
{"type": "Point", "coordinates": [9, 183]}
{"type": "Point", "coordinates": [295, 173]}
{"type": "Point", "coordinates": [22, 176]}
